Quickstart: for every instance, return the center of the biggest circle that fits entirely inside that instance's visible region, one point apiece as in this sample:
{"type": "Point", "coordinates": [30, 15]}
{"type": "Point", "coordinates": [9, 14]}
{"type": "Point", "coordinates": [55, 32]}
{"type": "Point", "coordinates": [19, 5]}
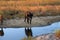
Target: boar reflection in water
{"type": "Point", "coordinates": [28, 32]}
{"type": "Point", "coordinates": [1, 32]}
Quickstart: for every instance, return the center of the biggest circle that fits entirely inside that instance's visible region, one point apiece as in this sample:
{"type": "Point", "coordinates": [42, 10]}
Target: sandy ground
{"type": "Point", "coordinates": [36, 22]}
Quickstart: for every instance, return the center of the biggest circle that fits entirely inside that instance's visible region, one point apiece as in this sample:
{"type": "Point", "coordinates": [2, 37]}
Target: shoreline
{"type": "Point", "coordinates": [36, 22]}
{"type": "Point", "coordinates": [50, 36]}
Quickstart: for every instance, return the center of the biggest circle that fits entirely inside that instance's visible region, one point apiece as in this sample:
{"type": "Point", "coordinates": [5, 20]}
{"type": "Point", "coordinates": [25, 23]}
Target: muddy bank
{"type": "Point", "coordinates": [36, 22]}
{"type": "Point", "coordinates": [50, 36]}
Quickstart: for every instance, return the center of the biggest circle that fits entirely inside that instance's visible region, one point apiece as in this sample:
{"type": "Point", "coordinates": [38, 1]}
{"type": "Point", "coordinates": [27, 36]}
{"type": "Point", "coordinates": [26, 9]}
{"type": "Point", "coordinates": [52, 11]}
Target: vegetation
{"type": "Point", "coordinates": [29, 2]}
{"type": "Point", "coordinates": [49, 11]}
{"type": "Point", "coordinates": [28, 38]}
{"type": "Point", "coordinates": [9, 14]}
{"type": "Point", "coordinates": [57, 33]}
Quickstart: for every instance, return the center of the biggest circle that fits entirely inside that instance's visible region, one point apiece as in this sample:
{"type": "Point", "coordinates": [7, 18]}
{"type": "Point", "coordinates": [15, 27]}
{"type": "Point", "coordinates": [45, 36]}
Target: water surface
{"type": "Point", "coordinates": [19, 33]}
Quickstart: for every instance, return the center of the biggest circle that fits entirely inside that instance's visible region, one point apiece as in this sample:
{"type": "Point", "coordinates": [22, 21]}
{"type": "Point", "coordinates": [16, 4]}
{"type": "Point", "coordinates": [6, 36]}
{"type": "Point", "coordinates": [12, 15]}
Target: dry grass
{"type": "Point", "coordinates": [28, 38]}
{"type": "Point", "coordinates": [57, 33]}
